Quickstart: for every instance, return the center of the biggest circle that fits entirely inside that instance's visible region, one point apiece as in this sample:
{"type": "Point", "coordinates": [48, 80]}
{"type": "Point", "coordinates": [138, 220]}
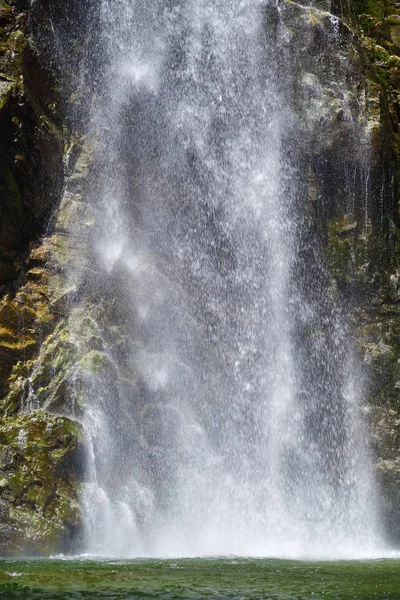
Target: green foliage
{"type": "Point", "coordinates": [376, 8]}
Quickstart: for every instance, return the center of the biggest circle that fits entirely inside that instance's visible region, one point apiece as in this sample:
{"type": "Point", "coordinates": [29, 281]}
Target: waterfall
{"type": "Point", "coordinates": [226, 418]}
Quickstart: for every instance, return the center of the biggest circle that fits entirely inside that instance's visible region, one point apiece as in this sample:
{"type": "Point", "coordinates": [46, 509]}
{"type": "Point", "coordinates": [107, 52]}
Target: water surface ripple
{"type": "Point", "coordinates": [198, 579]}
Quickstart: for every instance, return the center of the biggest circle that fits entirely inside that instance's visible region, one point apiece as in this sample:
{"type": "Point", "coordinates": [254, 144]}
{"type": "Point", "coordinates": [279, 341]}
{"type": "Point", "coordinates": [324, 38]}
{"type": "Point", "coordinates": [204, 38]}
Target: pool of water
{"type": "Point", "coordinates": [198, 579]}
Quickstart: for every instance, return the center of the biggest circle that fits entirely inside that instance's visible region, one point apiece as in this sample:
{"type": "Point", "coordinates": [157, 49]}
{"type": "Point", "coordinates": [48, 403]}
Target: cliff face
{"type": "Point", "coordinates": [31, 173]}
{"type": "Point", "coordinates": [363, 253]}
{"type": "Point", "coordinates": [345, 90]}
{"type": "Point", "coordinates": [349, 180]}
{"type": "Point", "coordinates": [40, 454]}
{"type": "Point", "coordinates": [351, 195]}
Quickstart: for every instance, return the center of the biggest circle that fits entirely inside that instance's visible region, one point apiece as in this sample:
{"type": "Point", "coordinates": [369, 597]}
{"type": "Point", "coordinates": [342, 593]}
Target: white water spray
{"type": "Point", "coordinates": [229, 419]}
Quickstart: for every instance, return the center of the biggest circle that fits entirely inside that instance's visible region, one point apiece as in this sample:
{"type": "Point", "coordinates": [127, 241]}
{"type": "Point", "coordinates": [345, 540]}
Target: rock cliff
{"type": "Point", "coordinates": [41, 455]}
{"type": "Point", "coordinates": [349, 178]}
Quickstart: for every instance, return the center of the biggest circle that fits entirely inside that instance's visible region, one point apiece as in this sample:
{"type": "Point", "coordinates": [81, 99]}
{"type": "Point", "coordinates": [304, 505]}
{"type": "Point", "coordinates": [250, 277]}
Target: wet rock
{"type": "Point", "coordinates": [31, 144]}
{"type": "Point", "coordinates": [39, 478]}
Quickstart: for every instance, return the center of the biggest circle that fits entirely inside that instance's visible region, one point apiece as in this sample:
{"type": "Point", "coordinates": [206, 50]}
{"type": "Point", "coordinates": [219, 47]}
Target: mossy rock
{"type": "Point", "coordinates": [95, 362]}
{"type": "Point", "coordinates": [42, 465]}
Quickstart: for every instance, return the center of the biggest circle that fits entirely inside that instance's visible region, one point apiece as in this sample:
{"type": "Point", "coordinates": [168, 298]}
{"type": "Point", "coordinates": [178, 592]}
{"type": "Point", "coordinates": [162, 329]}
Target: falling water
{"type": "Point", "coordinates": [226, 419]}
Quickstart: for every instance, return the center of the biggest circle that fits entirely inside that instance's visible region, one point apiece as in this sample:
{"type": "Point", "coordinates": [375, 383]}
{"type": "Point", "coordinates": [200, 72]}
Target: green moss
{"type": "Point", "coordinates": [6, 89]}
{"type": "Point", "coordinates": [380, 53]}
{"type": "Point", "coordinates": [340, 253]}
{"type": "Point", "coordinates": [41, 481]}
{"type": "Point", "coordinates": [376, 8]}
{"type": "Point", "coordinates": [95, 361]}
{"type": "Point", "coordinates": [382, 75]}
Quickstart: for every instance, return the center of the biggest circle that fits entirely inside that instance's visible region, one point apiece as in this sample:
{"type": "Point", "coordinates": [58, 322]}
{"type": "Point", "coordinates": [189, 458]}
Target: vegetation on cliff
{"type": "Point", "coordinates": [40, 466]}
{"type": "Point", "coordinates": [40, 454]}
{"type": "Point", "coordinates": [48, 343]}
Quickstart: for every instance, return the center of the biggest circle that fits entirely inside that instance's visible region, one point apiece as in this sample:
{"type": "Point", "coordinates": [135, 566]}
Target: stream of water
{"type": "Point", "coordinates": [231, 422]}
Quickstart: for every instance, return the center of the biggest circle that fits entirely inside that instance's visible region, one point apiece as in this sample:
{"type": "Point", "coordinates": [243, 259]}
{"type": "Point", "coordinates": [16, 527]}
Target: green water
{"type": "Point", "coordinates": [233, 578]}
